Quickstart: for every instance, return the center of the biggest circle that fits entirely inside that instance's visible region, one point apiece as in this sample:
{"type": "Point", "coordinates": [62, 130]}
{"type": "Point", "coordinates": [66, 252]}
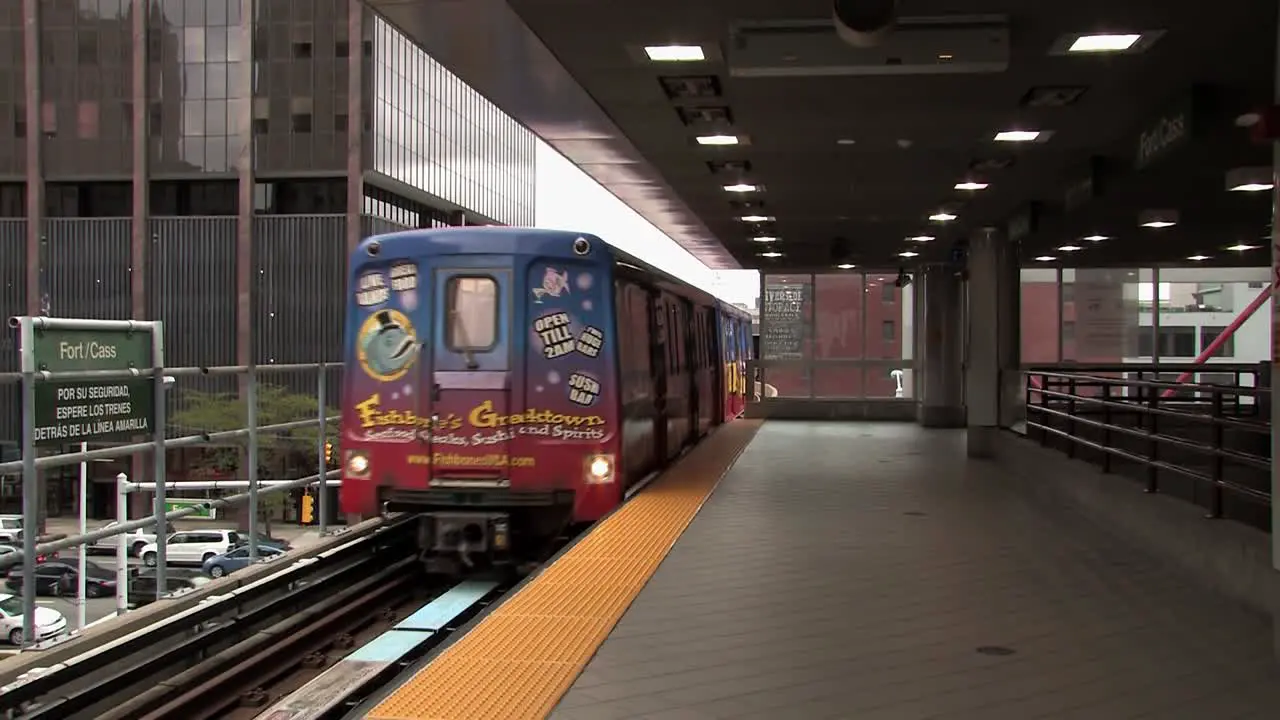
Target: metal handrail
{"type": "Point", "coordinates": [1060, 397]}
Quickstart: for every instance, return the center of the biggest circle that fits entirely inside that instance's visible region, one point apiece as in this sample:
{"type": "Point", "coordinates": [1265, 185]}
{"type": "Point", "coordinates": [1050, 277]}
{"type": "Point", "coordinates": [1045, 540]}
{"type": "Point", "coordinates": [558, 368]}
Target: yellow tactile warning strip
{"type": "Point", "coordinates": [517, 662]}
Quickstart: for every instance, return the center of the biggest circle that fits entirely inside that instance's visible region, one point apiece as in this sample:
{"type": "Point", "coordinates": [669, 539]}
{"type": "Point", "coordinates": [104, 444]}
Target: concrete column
{"type": "Point", "coordinates": [942, 403]}
{"type": "Point", "coordinates": [1012, 394]}
{"type": "Point", "coordinates": [982, 366]}
{"type": "Point", "coordinates": [1275, 343]}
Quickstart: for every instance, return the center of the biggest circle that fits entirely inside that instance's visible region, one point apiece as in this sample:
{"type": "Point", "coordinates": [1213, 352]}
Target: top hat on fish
{"type": "Point", "coordinates": [390, 347]}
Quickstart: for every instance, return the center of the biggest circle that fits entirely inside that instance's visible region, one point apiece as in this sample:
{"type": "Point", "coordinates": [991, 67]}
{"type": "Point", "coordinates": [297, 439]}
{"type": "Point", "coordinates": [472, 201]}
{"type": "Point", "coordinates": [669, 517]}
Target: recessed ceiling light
{"type": "Point", "coordinates": [1046, 258]}
{"type": "Point", "coordinates": [921, 238]}
{"type": "Point", "coordinates": [1242, 247]}
{"type": "Point", "coordinates": [971, 186]}
{"type": "Point", "coordinates": [1070, 248]}
{"type": "Point", "coordinates": [717, 139]}
{"type": "Point", "coordinates": [741, 188]}
{"type": "Point", "coordinates": [1103, 43]}
{"type": "Point", "coordinates": [675, 53]}
{"type": "Point", "coordinates": [1017, 136]}
{"type": "Point", "coordinates": [1252, 187]}
{"type": "Point", "coordinates": [1158, 224]}
{"type": "Point", "coordinates": [908, 254]}
{"type": "Point", "coordinates": [846, 141]}
{"type": "Point", "coordinates": [757, 218]}
{"type": "Point", "coordinates": [771, 254]}
{"type": "Point", "coordinates": [942, 217]}
{"type": "Point", "coordinates": [1096, 238]}
{"type": "Point", "coordinates": [846, 266]}
{"type": "Point", "coordinates": [764, 239]}
{"type": "Point", "coordinates": [1198, 258]}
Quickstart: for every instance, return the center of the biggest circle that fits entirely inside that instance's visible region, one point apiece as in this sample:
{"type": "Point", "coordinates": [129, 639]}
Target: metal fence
{"type": "Point", "coordinates": [1200, 443]}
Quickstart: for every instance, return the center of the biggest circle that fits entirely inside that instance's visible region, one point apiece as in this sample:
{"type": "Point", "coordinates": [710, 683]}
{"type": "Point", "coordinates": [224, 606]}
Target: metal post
{"type": "Point", "coordinates": [322, 488]}
{"type": "Point", "coordinates": [84, 549]}
{"type": "Point", "coordinates": [30, 482]}
{"type": "Point", "coordinates": [161, 471]}
{"type": "Point", "coordinates": [252, 400]}
{"type": "Point", "coordinates": [122, 545]}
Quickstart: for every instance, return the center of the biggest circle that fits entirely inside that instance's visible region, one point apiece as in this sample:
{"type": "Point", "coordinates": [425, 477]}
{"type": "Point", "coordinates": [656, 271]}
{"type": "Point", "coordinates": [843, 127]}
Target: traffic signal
{"type": "Point", "coordinates": [308, 509]}
{"type": "Point", "coordinates": [328, 453]}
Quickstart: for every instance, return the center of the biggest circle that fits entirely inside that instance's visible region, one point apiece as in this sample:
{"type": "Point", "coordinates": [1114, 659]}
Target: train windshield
{"type": "Point", "coordinates": [472, 316]}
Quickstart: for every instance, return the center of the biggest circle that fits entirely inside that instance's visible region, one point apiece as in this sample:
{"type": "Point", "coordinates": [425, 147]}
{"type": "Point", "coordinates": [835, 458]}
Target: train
{"type": "Point", "coordinates": [511, 386]}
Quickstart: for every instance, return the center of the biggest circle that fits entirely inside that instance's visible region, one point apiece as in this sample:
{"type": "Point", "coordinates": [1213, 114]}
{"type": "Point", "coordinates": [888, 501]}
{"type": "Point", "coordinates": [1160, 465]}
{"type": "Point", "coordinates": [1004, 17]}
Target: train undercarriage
{"type": "Point", "coordinates": [461, 532]}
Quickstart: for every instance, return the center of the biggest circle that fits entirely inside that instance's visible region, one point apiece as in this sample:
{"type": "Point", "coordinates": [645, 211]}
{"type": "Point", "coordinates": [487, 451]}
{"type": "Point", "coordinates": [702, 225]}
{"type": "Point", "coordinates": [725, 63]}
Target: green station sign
{"type": "Point", "coordinates": [92, 411]}
{"type": "Point", "coordinates": [202, 514]}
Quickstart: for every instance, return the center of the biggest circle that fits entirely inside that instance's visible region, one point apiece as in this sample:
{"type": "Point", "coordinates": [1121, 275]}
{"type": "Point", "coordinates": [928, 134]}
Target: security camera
{"type": "Point", "coordinates": [903, 279]}
{"type": "Point", "coordinates": [581, 246]}
{"type": "Point", "coordinates": [864, 23]}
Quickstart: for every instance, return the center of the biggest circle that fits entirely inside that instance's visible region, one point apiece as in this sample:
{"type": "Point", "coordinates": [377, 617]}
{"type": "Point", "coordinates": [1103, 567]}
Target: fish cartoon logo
{"type": "Point", "coordinates": [554, 284]}
{"type": "Point", "coordinates": [388, 345]}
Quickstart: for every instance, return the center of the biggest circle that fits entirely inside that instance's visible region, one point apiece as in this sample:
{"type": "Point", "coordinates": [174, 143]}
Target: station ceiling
{"type": "Point", "coordinates": [853, 150]}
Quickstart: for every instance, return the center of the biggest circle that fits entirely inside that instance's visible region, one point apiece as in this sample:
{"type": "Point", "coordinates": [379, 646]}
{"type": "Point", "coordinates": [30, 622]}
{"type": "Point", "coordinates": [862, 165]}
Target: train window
{"type": "Point", "coordinates": [472, 308]}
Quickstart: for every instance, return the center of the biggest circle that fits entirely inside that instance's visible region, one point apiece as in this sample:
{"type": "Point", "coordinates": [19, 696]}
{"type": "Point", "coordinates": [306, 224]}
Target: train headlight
{"type": "Point", "coordinates": [600, 469]}
{"type": "Point", "coordinates": [357, 464]}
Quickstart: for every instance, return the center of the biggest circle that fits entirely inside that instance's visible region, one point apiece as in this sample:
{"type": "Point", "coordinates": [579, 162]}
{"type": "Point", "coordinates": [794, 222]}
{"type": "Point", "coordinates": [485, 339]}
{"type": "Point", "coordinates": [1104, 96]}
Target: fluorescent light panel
{"type": "Point", "coordinates": [971, 186]}
{"type": "Point", "coordinates": [1046, 258]}
{"type": "Point", "coordinates": [1070, 248]}
{"type": "Point", "coordinates": [908, 254]}
{"type": "Point", "coordinates": [675, 53]}
{"type": "Point", "coordinates": [1104, 43]}
{"type": "Point", "coordinates": [1017, 136]}
{"type": "Point", "coordinates": [757, 218]}
{"type": "Point", "coordinates": [764, 239]}
{"type": "Point", "coordinates": [718, 140]}
{"type": "Point", "coordinates": [771, 254]}
{"type": "Point", "coordinates": [1198, 258]}
{"type": "Point", "coordinates": [846, 266]}
{"type": "Point", "coordinates": [741, 188]}
{"type": "Point", "coordinates": [942, 217]}
{"type": "Point", "coordinates": [921, 238]}
{"type": "Point", "coordinates": [1242, 247]}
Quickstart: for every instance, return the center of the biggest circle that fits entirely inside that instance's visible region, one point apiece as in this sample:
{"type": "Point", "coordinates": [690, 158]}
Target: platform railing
{"type": "Point", "coordinates": [1200, 442]}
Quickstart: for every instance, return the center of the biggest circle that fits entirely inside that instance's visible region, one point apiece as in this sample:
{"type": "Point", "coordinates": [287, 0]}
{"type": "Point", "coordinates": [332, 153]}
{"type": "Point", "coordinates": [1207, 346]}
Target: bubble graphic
{"type": "Point", "coordinates": [409, 299]}
{"type": "Point", "coordinates": [587, 305]}
{"type": "Point", "coordinates": [395, 396]}
{"type": "Point", "coordinates": [538, 388]}
{"type": "Point", "coordinates": [407, 390]}
{"type": "Point", "coordinates": [584, 281]}
{"type": "Point", "coordinates": [553, 377]}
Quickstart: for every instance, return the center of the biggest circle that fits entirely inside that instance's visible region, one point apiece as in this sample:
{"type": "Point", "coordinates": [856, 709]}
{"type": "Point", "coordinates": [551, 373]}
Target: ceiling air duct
{"type": "Point", "coordinates": [864, 23]}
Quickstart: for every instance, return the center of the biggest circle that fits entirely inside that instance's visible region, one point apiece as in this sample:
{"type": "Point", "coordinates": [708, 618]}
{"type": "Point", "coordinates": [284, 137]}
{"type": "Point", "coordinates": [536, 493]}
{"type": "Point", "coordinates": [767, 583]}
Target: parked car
{"type": "Point", "coordinates": [227, 563]}
{"type": "Point", "coordinates": [191, 547]}
{"type": "Point", "coordinates": [61, 578]}
{"type": "Point", "coordinates": [49, 622]}
{"type": "Point", "coordinates": [11, 555]}
{"type": "Point", "coordinates": [142, 585]}
{"type": "Point", "coordinates": [136, 540]}
{"type": "Point", "coordinates": [10, 529]}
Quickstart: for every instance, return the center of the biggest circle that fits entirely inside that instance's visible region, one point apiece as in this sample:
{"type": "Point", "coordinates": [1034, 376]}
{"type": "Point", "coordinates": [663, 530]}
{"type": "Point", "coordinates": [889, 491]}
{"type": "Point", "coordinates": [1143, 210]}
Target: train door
{"type": "Point", "coordinates": [658, 365]}
{"type": "Point", "coordinates": [693, 364]}
{"type": "Point", "coordinates": [469, 374]}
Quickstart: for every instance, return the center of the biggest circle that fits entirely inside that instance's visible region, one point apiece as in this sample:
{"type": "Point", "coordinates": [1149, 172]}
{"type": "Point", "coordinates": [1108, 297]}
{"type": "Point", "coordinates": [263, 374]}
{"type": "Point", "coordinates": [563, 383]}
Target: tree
{"type": "Point", "coordinates": [278, 452]}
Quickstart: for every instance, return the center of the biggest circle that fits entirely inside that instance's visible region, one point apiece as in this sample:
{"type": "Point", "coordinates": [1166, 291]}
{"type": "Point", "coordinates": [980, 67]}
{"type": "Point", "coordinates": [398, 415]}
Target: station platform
{"type": "Point", "coordinates": [851, 570]}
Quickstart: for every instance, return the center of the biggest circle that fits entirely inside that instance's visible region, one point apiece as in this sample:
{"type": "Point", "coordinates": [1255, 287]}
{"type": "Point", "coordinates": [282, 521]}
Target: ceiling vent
{"type": "Point", "coordinates": [698, 116]}
{"type": "Point", "coordinates": [917, 46]}
{"type": "Point", "coordinates": [729, 167]}
{"type": "Point", "coordinates": [982, 166]}
{"type": "Point", "coordinates": [691, 87]}
{"type": "Point", "coordinates": [1052, 96]}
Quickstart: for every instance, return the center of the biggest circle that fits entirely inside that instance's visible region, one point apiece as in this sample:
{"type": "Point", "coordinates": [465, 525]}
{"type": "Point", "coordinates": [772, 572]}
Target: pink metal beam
{"type": "Point", "coordinates": [1222, 338]}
